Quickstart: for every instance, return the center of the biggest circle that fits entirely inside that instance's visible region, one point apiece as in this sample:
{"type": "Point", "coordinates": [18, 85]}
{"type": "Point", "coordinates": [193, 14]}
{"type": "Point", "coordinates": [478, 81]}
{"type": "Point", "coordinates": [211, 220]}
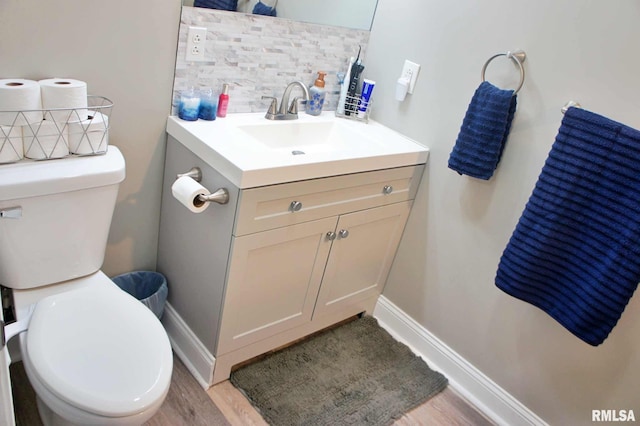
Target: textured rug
{"type": "Point", "coordinates": [355, 374]}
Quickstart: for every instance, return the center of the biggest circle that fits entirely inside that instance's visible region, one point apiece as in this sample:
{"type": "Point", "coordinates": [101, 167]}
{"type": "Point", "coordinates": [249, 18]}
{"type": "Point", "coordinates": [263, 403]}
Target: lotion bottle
{"type": "Point", "coordinates": [223, 101]}
{"type": "Point", "coordinates": [316, 95]}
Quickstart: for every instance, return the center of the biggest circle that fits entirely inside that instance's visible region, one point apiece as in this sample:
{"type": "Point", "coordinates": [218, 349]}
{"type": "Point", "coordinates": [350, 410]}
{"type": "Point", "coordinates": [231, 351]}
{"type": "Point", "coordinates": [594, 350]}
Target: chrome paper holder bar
{"type": "Point", "coordinates": [220, 195]}
{"type": "Point", "coordinates": [194, 173]}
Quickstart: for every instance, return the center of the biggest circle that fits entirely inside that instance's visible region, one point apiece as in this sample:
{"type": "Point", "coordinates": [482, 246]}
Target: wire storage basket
{"type": "Point", "coordinates": [55, 133]}
{"type": "Point", "coordinates": [355, 108]}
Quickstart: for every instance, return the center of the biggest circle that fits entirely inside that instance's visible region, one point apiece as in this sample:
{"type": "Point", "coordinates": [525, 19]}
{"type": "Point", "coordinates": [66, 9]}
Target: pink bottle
{"type": "Point", "coordinates": [223, 101]}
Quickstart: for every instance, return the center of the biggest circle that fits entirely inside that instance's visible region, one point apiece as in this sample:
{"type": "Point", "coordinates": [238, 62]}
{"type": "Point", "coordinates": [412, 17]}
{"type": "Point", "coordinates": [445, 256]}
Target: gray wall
{"type": "Point", "coordinates": [124, 50]}
{"type": "Point", "coordinates": [444, 273]}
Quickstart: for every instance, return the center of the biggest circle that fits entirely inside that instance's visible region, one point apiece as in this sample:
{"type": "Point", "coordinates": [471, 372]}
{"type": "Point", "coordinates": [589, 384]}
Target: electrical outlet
{"type": "Point", "coordinates": [196, 40]}
{"type": "Point", "coordinates": [410, 72]}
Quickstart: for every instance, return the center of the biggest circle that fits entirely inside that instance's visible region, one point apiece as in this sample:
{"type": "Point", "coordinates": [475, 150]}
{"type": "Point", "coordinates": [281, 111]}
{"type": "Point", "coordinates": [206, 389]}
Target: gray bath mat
{"type": "Point", "coordinates": [355, 374]}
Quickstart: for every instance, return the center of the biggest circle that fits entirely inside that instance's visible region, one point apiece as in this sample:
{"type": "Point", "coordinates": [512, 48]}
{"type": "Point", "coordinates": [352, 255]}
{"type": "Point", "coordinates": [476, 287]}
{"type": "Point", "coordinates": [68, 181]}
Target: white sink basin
{"type": "Point", "coordinates": [250, 150]}
{"type": "Point", "coordinates": [305, 137]}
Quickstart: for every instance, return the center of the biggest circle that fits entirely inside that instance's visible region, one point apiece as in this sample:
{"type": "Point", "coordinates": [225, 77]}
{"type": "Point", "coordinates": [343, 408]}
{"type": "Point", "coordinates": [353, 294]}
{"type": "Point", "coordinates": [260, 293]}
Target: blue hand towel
{"type": "Point", "coordinates": [262, 9]}
{"type": "Point", "coordinates": [575, 252]}
{"type": "Point", "coordinates": [484, 132]}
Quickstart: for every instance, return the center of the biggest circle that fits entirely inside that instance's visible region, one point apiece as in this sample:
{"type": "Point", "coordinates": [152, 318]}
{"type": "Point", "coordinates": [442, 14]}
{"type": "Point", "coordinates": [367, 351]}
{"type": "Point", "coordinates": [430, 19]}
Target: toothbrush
{"type": "Point", "coordinates": [356, 70]}
{"type": "Point", "coordinates": [343, 90]}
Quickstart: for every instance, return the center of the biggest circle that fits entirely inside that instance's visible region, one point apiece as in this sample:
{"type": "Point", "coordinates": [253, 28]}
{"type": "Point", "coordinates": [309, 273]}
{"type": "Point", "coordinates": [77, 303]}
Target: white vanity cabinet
{"type": "Point", "coordinates": [274, 278]}
{"type": "Point", "coordinates": [282, 278]}
{"type": "Point", "coordinates": [279, 261]}
{"type": "Point", "coordinates": [361, 256]}
{"type": "Point", "coordinates": [307, 254]}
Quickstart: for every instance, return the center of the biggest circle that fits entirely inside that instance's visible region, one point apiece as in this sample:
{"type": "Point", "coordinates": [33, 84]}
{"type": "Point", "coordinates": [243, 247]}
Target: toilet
{"type": "Point", "coordinates": [93, 354]}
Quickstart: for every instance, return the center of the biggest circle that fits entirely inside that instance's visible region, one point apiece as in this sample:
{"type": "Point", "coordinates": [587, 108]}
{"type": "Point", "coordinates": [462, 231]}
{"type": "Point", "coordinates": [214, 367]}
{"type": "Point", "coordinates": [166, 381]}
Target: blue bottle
{"type": "Point", "coordinates": [317, 95]}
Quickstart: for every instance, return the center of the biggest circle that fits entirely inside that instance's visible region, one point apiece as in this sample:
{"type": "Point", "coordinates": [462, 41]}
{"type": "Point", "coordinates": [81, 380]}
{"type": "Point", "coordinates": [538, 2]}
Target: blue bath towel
{"type": "Point", "coordinates": [484, 132]}
{"type": "Point", "coordinates": [575, 252]}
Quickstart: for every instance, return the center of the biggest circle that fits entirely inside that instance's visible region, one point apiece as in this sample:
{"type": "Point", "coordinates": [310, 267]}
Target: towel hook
{"type": "Point", "coordinates": [518, 57]}
{"type": "Point", "coordinates": [569, 105]}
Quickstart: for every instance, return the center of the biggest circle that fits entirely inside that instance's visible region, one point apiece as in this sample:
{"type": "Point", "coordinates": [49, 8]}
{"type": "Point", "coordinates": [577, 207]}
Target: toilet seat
{"type": "Point", "coordinates": [100, 350]}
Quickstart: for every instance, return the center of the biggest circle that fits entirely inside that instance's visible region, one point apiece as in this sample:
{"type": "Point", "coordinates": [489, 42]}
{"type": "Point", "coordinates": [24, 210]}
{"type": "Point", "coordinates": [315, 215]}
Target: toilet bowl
{"type": "Point", "coordinates": [96, 356]}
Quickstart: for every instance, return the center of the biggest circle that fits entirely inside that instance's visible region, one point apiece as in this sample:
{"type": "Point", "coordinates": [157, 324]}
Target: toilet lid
{"type": "Point", "coordinates": [101, 350]}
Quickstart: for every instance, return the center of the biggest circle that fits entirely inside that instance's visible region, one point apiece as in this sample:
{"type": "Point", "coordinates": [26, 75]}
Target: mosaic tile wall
{"type": "Point", "coordinates": [259, 55]}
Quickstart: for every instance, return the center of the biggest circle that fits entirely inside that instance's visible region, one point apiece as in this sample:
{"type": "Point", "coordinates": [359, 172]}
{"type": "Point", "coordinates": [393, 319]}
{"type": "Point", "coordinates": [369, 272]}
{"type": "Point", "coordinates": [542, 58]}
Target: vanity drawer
{"type": "Point", "coordinates": [290, 203]}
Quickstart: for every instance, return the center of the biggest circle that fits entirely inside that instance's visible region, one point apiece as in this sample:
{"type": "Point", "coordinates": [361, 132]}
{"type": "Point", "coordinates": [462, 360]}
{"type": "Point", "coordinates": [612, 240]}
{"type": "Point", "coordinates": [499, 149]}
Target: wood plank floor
{"type": "Point", "coordinates": [188, 405]}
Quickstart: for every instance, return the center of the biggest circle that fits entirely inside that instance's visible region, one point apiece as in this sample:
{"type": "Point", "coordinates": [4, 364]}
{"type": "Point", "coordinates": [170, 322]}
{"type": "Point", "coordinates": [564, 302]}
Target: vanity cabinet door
{"type": "Point", "coordinates": [361, 256]}
{"type": "Point", "coordinates": [273, 282]}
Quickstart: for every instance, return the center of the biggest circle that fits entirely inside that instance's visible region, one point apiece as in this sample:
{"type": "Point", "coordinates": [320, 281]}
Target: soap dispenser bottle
{"type": "Point", "coordinates": [316, 95]}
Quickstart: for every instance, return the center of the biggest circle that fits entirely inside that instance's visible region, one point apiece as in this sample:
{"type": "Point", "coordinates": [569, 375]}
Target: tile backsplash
{"type": "Point", "coordinates": [259, 55]}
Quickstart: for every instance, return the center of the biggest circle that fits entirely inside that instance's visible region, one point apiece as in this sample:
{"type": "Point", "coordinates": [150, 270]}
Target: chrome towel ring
{"type": "Point", "coordinates": [518, 57]}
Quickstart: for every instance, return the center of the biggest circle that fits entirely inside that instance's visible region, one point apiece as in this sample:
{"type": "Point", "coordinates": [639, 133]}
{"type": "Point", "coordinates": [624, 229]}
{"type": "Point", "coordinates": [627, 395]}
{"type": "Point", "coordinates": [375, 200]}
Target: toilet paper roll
{"type": "Point", "coordinates": [186, 190]}
{"type": "Point", "coordinates": [11, 144]}
{"type": "Point", "coordinates": [64, 93]}
{"type": "Point", "coordinates": [89, 136]}
{"type": "Point", "coordinates": [20, 95]}
{"type": "Point", "coordinates": [45, 140]}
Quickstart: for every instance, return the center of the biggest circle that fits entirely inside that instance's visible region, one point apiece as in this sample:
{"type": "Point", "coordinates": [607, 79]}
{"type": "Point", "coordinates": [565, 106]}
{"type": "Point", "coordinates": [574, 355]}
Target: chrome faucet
{"type": "Point", "coordinates": [282, 113]}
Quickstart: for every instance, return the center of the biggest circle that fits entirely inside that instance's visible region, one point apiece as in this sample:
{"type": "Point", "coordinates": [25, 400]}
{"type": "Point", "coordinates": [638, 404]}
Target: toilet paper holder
{"type": "Point", "coordinates": [220, 196]}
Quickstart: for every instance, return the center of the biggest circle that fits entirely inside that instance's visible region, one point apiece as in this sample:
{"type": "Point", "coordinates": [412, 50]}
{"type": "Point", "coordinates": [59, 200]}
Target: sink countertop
{"type": "Point", "coordinates": [247, 162]}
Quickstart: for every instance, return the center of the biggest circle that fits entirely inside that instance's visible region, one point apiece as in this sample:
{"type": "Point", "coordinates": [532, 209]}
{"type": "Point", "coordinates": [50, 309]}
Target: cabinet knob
{"type": "Point", "coordinates": [295, 206]}
{"type": "Point", "coordinates": [331, 235]}
{"type": "Point", "coordinates": [343, 233]}
{"type": "Point", "coordinates": [388, 189]}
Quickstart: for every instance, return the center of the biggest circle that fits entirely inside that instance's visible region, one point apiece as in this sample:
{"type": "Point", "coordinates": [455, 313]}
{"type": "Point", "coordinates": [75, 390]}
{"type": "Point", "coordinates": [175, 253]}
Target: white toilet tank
{"type": "Point", "coordinates": [55, 217]}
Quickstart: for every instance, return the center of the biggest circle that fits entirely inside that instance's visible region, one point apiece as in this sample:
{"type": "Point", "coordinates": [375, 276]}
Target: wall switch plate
{"type": "Point", "coordinates": [410, 72]}
{"type": "Point", "coordinates": [196, 40]}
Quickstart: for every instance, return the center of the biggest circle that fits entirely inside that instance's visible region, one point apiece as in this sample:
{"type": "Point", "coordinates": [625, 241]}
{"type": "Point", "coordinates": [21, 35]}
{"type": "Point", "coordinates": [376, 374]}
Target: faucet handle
{"type": "Point", "coordinates": [293, 108]}
{"type": "Point", "coordinates": [273, 108]}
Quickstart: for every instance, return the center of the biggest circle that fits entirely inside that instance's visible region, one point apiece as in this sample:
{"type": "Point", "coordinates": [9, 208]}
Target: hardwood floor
{"type": "Point", "coordinates": [187, 405]}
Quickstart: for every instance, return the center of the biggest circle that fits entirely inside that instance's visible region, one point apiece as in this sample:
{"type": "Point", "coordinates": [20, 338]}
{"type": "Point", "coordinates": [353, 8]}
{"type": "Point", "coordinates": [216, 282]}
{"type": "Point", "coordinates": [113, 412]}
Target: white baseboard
{"type": "Point", "coordinates": [464, 378]}
{"type": "Point", "coordinates": [198, 360]}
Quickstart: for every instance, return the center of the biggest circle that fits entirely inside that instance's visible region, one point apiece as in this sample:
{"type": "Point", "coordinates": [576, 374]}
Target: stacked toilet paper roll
{"type": "Point", "coordinates": [11, 144]}
{"type": "Point", "coordinates": [20, 102]}
{"type": "Point", "coordinates": [47, 119]}
{"type": "Point", "coordinates": [186, 191]}
{"type": "Point", "coordinates": [20, 105]}
{"type": "Point", "coordinates": [45, 140]}
{"type": "Point", "coordinates": [90, 136]}
{"type": "Point", "coordinates": [66, 93]}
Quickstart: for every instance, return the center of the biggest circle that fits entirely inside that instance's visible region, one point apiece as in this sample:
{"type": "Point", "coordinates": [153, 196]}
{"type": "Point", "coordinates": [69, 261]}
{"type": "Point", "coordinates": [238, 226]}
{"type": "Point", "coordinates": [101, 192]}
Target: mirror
{"type": "Point", "coordinates": [355, 14]}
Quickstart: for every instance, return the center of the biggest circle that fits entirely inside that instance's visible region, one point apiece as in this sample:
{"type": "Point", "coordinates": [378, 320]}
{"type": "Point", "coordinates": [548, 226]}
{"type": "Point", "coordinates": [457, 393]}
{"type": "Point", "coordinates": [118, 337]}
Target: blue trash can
{"type": "Point", "coordinates": [148, 287]}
